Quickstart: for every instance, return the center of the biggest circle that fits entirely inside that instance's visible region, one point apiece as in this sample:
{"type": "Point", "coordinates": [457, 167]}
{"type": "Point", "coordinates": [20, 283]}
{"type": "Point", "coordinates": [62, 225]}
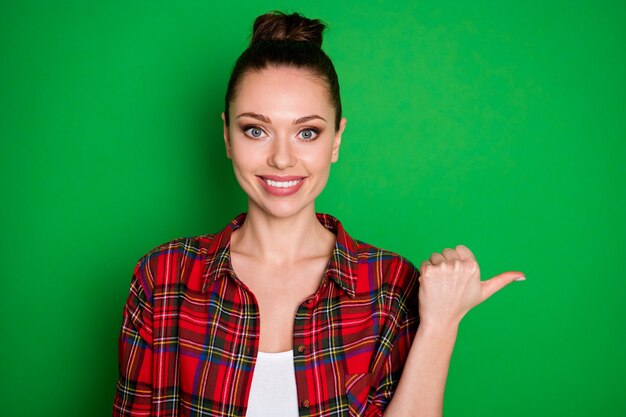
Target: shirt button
{"type": "Point", "coordinates": [301, 348]}
{"type": "Point", "coordinates": [306, 404]}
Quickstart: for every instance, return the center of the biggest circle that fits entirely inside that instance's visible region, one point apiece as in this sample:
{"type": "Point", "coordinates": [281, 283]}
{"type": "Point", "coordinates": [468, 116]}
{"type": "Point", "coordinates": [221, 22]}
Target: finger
{"type": "Point", "coordinates": [436, 258]}
{"type": "Point", "coordinates": [495, 284]}
{"type": "Point", "coordinates": [450, 255]}
{"type": "Point", "coordinates": [422, 269]}
{"type": "Point", "coordinates": [464, 253]}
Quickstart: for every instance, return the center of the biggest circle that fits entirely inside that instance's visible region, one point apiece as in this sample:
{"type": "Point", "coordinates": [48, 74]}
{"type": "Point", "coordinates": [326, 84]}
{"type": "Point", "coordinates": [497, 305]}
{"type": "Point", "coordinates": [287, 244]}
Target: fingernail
{"type": "Point", "coordinates": [521, 278]}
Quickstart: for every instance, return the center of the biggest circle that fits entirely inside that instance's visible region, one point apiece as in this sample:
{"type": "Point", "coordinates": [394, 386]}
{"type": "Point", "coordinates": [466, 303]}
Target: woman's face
{"type": "Point", "coordinates": [282, 139]}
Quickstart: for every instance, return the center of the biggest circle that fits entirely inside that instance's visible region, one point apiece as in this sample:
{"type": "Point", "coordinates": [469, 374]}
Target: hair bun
{"type": "Point", "coordinates": [278, 26]}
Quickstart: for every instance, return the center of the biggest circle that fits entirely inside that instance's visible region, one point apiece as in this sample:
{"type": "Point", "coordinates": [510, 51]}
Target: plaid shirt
{"type": "Point", "coordinates": [190, 331]}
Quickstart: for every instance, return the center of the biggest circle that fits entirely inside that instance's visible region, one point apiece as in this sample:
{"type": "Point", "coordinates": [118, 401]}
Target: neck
{"type": "Point", "coordinates": [282, 240]}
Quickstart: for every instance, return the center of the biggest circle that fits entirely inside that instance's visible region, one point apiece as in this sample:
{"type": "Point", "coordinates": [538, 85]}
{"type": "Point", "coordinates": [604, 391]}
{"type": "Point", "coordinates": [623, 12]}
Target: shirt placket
{"type": "Point", "coordinates": [250, 328]}
{"type": "Point", "coordinates": [304, 343]}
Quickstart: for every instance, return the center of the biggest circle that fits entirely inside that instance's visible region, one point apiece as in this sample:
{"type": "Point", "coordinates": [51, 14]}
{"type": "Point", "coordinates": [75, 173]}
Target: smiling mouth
{"type": "Point", "coordinates": [282, 184]}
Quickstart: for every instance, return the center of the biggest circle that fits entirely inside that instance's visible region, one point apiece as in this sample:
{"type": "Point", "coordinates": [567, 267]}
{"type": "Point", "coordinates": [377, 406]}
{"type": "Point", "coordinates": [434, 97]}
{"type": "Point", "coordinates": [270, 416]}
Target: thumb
{"type": "Point", "coordinates": [495, 284]}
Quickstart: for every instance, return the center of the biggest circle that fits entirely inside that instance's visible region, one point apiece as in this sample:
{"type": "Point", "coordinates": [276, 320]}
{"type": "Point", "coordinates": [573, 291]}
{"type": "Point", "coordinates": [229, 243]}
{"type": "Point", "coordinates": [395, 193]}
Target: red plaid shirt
{"type": "Point", "coordinates": [190, 333]}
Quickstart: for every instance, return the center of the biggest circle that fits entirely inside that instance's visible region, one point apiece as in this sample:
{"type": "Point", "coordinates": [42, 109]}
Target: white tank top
{"type": "Point", "coordinates": [273, 391]}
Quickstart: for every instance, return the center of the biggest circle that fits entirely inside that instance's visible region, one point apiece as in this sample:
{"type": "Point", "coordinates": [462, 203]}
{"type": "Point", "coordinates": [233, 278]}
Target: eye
{"type": "Point", "coordinates": [308, 134]}
{"type": "Point", "coordinates": [254, 132]}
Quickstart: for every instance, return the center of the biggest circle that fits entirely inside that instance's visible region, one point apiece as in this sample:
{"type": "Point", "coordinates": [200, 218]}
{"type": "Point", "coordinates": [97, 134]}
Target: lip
{"type": "Point", "coordinates": [281, 191]}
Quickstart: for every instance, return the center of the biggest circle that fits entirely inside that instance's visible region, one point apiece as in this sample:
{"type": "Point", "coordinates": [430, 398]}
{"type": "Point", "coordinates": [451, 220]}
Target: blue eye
{"type": "Point", "coordinates": [308, 134]}
{"type": "Point", "coordinates": [254, 132]}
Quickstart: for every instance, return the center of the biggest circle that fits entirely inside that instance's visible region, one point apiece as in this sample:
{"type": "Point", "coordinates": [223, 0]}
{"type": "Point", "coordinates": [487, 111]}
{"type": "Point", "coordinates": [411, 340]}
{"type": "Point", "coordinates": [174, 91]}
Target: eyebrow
{"type": "Point", "coordinates": [266, 119]}
{"type": "Point", "coordinates": [255, 116]}
{"type": "Point", "coordinates": [307, 118]}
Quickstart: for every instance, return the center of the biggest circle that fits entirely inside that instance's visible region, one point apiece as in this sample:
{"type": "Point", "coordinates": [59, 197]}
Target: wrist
{"type": "Point", "coordinates": [439, 327]}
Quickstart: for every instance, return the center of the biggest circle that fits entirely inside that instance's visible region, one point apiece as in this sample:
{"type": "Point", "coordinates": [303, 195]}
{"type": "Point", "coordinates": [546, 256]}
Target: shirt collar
{"type": "Point", "coordinates": [342, 266]}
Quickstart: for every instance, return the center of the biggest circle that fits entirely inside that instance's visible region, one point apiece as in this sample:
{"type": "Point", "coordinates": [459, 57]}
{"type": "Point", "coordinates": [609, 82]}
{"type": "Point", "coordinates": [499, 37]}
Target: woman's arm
{"type": "Point", "coordinates": [450, 286]}
{"type": "Point", "coordinates": [133, 396]}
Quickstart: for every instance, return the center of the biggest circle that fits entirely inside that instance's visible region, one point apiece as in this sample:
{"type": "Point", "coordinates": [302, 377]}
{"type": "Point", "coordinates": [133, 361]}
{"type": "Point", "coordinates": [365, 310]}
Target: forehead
{"type": "Point", "coordinates": [282, 90]}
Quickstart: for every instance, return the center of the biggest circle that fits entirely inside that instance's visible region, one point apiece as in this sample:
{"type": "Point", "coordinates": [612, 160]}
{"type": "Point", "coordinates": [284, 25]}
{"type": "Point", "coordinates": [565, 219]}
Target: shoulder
{"type": "Point", "coordinates": [390, 268]}
{"type": "Point", "coordinates": [389, 278]}
{"type": "Point", "coordinates": [168, 261]}
{"type": "Point", "coordinates": [378, 271]}
{"type": "Point", "coordinates": [179, 247]}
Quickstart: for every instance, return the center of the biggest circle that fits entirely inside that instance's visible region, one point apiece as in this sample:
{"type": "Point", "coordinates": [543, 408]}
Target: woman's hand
{"type": "Point", "coordinates": [450, 286]}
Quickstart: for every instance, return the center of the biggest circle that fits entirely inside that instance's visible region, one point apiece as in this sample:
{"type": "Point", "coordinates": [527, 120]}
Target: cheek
{"type": "Point", "coordinates": [242, 167]}
{"type": "Point", "coordinates": [243, 155]}
{"type": "Point", "coordinates": [317, 159]}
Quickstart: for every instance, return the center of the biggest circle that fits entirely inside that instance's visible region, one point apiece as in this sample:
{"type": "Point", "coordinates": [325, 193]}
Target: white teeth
{"type": "Point", "coordinates": [281, 184]}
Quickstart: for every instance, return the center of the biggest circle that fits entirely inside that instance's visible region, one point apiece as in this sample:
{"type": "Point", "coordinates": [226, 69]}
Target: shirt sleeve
{"type": "Point", "coordinates": [133, 396]}
{"type": "Point", "coordinates": [405, 329]}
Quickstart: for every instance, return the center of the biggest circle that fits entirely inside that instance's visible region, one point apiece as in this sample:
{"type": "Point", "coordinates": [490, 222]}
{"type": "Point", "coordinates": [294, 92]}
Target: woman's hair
{"type": "Point", "coordinates": [290, 40]}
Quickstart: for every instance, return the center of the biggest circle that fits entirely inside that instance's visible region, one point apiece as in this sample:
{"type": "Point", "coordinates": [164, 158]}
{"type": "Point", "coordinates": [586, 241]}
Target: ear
{"type": "Point", "coordinates": [337, 141]}
{"type": "Point", "coordinates": [226, 137]}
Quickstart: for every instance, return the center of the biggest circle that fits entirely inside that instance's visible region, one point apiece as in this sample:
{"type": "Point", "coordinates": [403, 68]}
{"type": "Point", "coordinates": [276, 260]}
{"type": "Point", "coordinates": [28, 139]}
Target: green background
{"type": "Point", "coordinates": [499, 126]}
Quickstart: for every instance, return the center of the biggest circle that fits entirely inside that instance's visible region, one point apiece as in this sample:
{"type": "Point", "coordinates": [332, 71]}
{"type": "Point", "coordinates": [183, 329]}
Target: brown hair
{"type": "Point", "coordinates": [291, 40]}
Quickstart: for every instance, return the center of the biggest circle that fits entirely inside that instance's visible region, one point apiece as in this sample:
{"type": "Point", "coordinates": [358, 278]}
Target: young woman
{"type": "Point", "coordinates": [283, 313]}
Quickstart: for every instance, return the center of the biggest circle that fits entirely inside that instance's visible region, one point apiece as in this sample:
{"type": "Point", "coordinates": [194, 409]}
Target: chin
{"type": "Point", "coordinates": [283, 209]}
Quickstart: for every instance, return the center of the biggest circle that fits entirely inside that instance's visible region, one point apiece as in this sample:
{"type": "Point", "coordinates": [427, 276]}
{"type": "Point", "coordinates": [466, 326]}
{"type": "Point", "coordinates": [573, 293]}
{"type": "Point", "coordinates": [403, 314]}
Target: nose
{"type": "Point", "coordinates": [281, 155]}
